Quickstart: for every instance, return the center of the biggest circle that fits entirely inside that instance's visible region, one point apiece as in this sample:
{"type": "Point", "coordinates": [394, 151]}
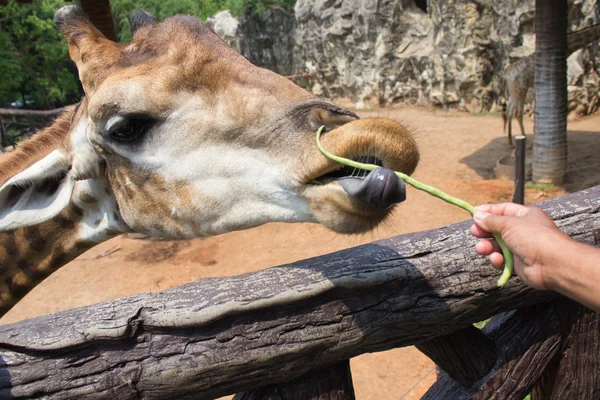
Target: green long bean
{"type": "Point", "coordinates": [508, 257]}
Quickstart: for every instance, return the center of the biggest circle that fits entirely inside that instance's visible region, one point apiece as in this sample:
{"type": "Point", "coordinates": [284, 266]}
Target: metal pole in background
{"type": "Point", "coordinates": [520, 149]}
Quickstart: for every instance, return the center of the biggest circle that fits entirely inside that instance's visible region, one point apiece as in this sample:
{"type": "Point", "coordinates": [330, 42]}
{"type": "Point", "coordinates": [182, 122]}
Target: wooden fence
{"type": "Point", "coordinates": [287, 332]}
{"type": "Point", "coordinates": [26, 122]}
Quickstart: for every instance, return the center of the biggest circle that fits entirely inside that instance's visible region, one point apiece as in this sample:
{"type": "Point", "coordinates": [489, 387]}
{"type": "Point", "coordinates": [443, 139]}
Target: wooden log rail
{"type": "Point", "coordinates": [17, 112]}
{"type": "Point", "coordinates": [220, 336]}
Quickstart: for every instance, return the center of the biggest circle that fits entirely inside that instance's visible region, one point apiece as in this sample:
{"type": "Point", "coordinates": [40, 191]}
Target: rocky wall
{"type": "Point", "coordinates": [381, 52]}
{"type": "Point", "coordinates": [267, 40]}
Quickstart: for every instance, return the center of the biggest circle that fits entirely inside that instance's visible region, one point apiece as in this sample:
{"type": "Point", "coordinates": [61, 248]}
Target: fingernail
{"type": "Point", "coordinates": [480, 215]}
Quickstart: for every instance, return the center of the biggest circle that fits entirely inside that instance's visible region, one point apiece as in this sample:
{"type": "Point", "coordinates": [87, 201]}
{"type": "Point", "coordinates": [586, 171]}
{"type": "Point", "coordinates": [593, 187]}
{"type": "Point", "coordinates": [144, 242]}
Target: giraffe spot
{"type": "Point", "coordinates": [18, 291]}
{"type": "Point", "coordinates": [29, 269]}
{"type": "Point", "coordinates": [64, 222]}
{"type": "Point", "coordinates": [10, 244]}
{"type": "Point", "coordinates": [87, 198]}
{"type": "Point", "coordinates": [82, 245]}
{"type": "Point", "coordinates": [34, 239]}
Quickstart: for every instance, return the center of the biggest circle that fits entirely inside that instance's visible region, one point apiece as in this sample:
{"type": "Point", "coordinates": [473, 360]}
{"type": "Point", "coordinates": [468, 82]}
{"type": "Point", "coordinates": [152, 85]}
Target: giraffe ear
{"type": "Point", "coordinates": [38, 193]}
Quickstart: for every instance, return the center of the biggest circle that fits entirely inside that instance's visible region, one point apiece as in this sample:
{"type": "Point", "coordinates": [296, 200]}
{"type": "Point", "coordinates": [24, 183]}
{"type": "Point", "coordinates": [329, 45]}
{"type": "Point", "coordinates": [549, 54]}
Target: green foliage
{"type": "Point", "coordinates": [542, 186]}
{"type": "Point", "coordinates": [34, 58]}
{"type": "Point", "coordinates": [34, 61]}
{"type": "Point", "coordinates": [202, 9]}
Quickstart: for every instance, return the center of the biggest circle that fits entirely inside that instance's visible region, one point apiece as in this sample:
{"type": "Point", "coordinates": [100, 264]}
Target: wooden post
{"type": "Point", "coordinates": [453, 353]}
{"type": "Point", "coordinates": [520, 150]}
{"type": "Point", "coordinates": [330, 383]}
{"type": "Point", "coordinates": [575, 373]}
{"type": "Point", "coordinates": [527, 340]}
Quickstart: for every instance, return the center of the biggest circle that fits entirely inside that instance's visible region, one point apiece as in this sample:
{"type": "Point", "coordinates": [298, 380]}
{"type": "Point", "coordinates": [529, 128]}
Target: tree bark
{"type": "Point", "coordinates": [453, 353]}
{"type": "Point", "coordinates": [578, 373]}
{"type": "Point", "coordinates": [220, 336]}
{"type": "Point", "coordinates": [550, 139]}
{"type": "Point", "coordinates": [551, 349]}
{"type": "Point", "coordinates": [330, 383]}
{"type": "Point", "coordinates": [100, 15]}
{"type": "Point", "coordinates": [526, 341]}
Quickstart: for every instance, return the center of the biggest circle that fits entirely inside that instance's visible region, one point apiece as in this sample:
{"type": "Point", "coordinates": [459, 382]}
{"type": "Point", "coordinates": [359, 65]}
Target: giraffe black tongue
{"type": "Point", "coordinates": [380, 189]}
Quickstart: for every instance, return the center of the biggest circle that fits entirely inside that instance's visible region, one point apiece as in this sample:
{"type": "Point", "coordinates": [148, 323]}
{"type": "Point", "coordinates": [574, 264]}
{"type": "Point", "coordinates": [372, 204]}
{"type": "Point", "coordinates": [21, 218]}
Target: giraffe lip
{"type": "Point", "coordinates": [346, 172]}
{"type": "Point", "coordinates": [381, 189]}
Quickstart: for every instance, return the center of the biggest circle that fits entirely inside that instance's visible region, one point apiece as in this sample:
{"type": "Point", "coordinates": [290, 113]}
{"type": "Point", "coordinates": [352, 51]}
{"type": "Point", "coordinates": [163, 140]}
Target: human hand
{"type": "Point", "coordinates": [527, 231]}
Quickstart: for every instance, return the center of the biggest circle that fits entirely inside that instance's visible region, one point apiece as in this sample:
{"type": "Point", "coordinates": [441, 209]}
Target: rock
{"type": "Point", "coordinates": [452, 56]}
{"type": "Point", "coordinates": [267, 40]}
{"type": "Point", "coordinates": [381, 52]}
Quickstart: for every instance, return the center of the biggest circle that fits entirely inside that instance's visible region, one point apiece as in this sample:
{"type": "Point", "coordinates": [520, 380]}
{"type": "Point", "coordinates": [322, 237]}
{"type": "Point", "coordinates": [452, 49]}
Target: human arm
{"type": "Point", "coordinates": [545, 258]}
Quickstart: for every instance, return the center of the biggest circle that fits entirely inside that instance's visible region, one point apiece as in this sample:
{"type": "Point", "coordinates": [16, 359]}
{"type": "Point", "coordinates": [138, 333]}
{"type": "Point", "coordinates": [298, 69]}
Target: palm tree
{"type": "Point", "coordinates": [550, 139]}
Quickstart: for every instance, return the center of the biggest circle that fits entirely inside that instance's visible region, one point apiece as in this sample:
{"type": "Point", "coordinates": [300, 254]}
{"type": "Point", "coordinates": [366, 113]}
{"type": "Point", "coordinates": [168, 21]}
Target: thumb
{"type": "Point", "coordinates": [490, 222]}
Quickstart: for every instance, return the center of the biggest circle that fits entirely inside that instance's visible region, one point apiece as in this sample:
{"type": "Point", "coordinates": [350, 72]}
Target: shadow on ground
{"type": "Point", "coordinates": [583, 162]}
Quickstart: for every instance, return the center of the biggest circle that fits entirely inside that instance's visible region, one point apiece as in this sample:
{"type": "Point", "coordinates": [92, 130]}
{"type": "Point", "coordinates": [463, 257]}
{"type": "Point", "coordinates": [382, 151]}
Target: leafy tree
{"type": "Point", "coordinates": [202, 9]}
{"type": "Point", "coordinates": [34, 58]}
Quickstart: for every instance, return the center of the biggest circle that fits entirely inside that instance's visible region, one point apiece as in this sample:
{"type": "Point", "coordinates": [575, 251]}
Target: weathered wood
{"type": "Point", "coordinates": [466, 355]}
{"type": "Point", "coordinates": [330, 383]}
{"type": "Point", "coordinates": [542, 390]}
{"type": "Point", "coordinates": [224, 335]}
{"type": "Point", "coordinates": [17, 112]}
{"type": "Point", "coordinates": [553, 348]}
{"type": "Point", "coordinates": [526, 340]}
{"type": "Point", "coordinates": [578, 373]}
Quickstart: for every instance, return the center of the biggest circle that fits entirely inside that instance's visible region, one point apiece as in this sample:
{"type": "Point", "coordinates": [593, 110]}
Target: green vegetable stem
{"type": "Point", "coordinates": [508, 257]}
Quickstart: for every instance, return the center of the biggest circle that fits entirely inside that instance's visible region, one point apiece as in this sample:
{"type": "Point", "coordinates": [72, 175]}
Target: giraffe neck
{"type": "Point", "coordinates": [29, 255]}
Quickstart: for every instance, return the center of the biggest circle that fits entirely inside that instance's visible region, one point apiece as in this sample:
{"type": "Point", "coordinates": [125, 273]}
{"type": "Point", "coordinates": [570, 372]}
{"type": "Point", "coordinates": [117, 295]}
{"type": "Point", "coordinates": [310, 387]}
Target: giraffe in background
{"type": "Point", "coordinates": [179, 136]}
{"type": "Point", "coordinates": [519, 77]}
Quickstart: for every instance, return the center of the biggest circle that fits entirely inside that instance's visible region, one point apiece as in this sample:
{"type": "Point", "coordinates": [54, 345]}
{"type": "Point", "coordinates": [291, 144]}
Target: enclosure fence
{"type": "Point", "coordinates": [288, 332]}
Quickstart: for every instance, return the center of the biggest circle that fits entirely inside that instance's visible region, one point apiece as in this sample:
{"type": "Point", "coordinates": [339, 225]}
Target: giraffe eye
{"type": "Point", "coordinates": [127, 129]}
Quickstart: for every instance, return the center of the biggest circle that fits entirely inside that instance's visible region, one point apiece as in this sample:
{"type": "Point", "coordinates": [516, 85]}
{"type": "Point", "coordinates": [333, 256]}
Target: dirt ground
{"type": "Point", "coordinates": [459, 152]}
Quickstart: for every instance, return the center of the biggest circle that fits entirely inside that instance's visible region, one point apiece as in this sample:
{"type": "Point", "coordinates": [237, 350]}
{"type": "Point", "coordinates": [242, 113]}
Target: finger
{"type": "Point", "coordinates": [485, 247]}
{"type": "Point", "coordinates": [497, 260]}
{"type": "Point", "coordinates": [490, 222]}
{"type": "Point", "coordinates": [478, 232]}
{"type": "Point", "coordinates": [506, 209]}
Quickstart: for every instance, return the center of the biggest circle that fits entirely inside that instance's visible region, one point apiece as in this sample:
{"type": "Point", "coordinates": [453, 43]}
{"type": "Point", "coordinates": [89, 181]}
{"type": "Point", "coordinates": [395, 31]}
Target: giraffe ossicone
{"type": "Point", "coordinates": [178, 136]}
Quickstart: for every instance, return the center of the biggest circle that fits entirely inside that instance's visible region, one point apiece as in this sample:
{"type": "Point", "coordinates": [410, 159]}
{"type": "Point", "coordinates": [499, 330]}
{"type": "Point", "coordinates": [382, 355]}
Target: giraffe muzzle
{"type": "Point", "coordinates": [380, 189]}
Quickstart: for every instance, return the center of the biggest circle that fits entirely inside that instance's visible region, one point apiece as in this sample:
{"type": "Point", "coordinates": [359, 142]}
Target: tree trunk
{"type": "Point", "coordinates": [100, 14]}
{"type": "Point", "coordinates": [550, 139]}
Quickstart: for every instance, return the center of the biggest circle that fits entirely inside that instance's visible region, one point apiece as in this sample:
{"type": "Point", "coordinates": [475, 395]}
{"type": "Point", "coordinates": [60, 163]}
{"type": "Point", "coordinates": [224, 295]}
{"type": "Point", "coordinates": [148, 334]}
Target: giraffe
{"type": "Point", "coordinates": [519, 77]}
{"type": "Point", "coordinates": [178, 136]}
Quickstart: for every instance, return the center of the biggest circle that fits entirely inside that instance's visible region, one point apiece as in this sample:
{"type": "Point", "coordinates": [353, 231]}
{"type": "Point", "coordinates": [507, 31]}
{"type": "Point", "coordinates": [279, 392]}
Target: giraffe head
{"type": "Point", "coordinates": [193, 140]}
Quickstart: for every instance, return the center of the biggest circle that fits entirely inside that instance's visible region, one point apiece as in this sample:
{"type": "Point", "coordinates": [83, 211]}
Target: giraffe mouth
{"type": "Point", "coordinates": [349, 200]}
{"type": "Point", "coordinates": [378, 189]}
